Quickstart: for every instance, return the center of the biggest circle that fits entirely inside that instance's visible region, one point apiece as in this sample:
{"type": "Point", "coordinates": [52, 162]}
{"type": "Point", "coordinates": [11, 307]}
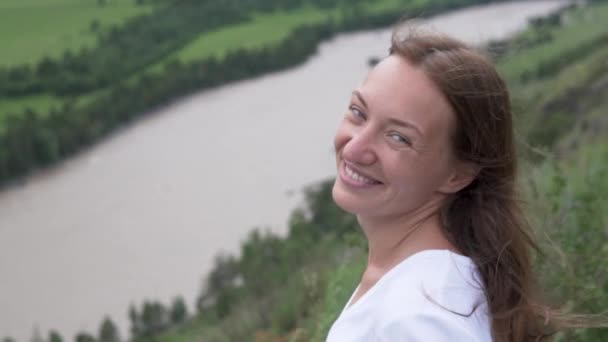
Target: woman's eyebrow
{"type": "Point", "coordinates": [392, 121]}
{"type": "Point", "coordinates": [405, 124]}
{"type": "Point", "coordinates": [360, 97]}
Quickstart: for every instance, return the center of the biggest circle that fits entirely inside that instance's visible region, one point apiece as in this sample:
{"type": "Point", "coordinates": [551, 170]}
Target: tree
{"type": "Point", "coordinates": [179, 311]}
{"type": "Point", "coordinates": [94, 25]}
{"type": "Point", "coordinates": [154, 318]}
{"type": "Point", "coordinates": [47, 67]}
{"type": "Point", "coordinates": [108, 331]}
{"type": "Point", "coordinates": [220, 285]}
{"type": "Point", "coordinates": [136, 324]}
{"type": "Point", "coordinates": [36, 337]}
{"type": "Point", "coordinates": [54, 336]}
{"type": "Point", "coordinates": [84, 337]}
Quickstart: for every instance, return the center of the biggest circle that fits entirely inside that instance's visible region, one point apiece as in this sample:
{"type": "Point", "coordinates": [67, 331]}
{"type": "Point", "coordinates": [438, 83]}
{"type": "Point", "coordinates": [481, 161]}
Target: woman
{"type": "Point", "coordinates": [426, 160]}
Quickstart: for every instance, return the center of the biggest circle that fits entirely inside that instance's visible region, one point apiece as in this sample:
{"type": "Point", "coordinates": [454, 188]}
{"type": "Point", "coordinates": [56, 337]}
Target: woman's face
{"type": "Point", "coordinates": [393, 147]}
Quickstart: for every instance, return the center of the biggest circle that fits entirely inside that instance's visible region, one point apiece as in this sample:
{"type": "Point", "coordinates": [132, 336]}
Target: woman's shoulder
{"type": "Point", "coordinates": [432, 326]}
{"type": "Point", "coordinates": [434, 277]}
{"type": "Point", "coordinates": [435, 290]}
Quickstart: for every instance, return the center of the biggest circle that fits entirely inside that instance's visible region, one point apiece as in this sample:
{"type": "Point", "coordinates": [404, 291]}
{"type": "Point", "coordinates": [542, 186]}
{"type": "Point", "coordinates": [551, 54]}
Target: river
{"type": "Point", "coordinates": [142, 214]}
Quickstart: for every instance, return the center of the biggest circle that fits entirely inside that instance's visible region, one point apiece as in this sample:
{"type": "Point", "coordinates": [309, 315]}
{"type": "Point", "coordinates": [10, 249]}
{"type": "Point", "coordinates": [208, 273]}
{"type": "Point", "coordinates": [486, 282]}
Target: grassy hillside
{"type": "Point", "coordinates": [557, 74]}
{"type": "Point", "coordinates": [579, 28]}
{"type": "Point", "coordinates": [32, 29]}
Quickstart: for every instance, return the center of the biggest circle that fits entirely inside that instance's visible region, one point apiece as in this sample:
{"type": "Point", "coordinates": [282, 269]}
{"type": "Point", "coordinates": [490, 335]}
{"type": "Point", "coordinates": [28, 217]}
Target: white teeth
{"type": "Point", "coordinates": [357, 177]}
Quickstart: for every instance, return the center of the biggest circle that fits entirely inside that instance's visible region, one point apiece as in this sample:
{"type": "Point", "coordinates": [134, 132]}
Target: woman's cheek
{"type": "Point", "coordinates": [342, 136]}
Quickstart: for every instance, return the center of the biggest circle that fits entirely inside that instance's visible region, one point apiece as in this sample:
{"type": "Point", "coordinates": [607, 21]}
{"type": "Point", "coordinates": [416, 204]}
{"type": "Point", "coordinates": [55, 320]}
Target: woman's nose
{"type": "Point", "coordinates": [360, 148]}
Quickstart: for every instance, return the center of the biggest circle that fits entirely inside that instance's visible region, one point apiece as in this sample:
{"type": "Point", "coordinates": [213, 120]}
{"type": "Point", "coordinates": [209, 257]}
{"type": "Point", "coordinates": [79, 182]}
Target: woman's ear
{"type": "Point", "coordinates": [463, 174]}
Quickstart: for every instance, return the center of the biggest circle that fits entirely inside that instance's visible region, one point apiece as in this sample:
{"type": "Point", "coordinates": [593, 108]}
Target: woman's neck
{"type": "Point", "coordinates": [392, 240]}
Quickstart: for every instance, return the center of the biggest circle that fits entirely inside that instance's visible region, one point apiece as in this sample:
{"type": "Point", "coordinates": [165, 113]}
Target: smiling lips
{"type": "Point", "coordinates": [354, 178]}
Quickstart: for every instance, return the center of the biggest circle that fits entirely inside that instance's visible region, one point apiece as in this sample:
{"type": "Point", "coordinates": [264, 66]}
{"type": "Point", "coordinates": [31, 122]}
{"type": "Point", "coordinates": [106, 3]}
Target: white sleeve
{"type": "Point", "coordinates": [423, 327]}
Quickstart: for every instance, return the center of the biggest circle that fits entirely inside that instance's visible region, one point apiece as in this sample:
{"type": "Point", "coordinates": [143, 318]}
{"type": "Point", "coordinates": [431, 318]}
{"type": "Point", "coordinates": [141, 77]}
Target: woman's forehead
{"type": "Point", "coordinates": [395, 86]}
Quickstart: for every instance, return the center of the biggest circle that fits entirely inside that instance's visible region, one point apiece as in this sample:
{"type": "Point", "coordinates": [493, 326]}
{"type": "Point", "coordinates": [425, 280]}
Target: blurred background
{"type": "Point", "coordinates": [165, 165]}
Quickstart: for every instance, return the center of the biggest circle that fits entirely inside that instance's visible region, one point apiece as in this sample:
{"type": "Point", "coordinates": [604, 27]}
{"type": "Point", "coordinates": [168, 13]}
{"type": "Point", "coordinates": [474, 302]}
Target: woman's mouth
{"type": "Point", "coordinates": [355, 178]}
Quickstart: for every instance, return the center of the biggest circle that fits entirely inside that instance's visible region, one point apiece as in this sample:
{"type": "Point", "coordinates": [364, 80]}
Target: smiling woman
{"type": "Point", "coordinates": [426, 161]}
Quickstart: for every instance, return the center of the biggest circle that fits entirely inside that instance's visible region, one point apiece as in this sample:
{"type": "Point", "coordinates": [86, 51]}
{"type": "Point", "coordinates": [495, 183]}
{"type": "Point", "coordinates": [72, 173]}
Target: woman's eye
{"type": "Point", "coordinates": [399, 139]}
{"type": "Point", "coordinates": [357, 113]}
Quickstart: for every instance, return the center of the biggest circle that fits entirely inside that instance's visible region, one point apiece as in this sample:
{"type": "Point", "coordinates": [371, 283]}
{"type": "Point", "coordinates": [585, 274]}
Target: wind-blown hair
{"type": "Point", "coordinates": [484, 220]}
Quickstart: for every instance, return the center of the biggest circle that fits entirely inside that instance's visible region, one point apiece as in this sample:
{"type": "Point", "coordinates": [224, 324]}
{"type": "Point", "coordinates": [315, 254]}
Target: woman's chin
{"type": "Point", "coordinates": [346, 200]}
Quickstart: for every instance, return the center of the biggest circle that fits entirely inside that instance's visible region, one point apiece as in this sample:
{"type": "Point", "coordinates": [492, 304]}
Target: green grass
{"type": "Point", "coordinates": [32, 29]}
{"type": "Point", "coordinates": [571, 220]}
{"type": "Point", "coordinates": [38, 103]}
{"type": "Point", "coordinates": [582, 25]}
{"type": "Point", "coordinates": [572, 75]}
{"type": "Point", "coordinates": [41, 104]}
{"type": "Point", "coordinates": [395, 5]}
{"type": "Point", "coordinates": [340, 287]}
{"type": "Point", "coordinates": [531, 97]}
{"type": "Point", "coordinates": [262, 30]}
{"type": "Point", "coordinates": [267, 29]}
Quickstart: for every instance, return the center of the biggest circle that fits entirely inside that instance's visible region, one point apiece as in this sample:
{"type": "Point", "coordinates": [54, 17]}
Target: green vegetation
{"type": "Point", "coordinates": [579, 34]}
{"type": "Point", "coordinates": [33, 29]}
{"type": "Point", "coordinates": [263, 29]}
{"type": "Point", "coordinates": [292, 288]}
{"type": "Point", "coordinates": [40, 103]}
{"type": "Point", "coordinates": [85, 94]}
{"type": "Point", "coordinates": [556, 77]}
{"type": "Point", "coordinates": [266, 29]}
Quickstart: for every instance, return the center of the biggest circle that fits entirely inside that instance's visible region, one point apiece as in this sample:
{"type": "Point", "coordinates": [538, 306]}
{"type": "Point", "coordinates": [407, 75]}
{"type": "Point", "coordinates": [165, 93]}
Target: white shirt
{"type": "Point", "coordinates": [433, 295]}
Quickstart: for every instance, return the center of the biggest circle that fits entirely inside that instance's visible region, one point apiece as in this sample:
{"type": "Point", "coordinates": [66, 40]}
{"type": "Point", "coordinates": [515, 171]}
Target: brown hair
{"type": "Point", "coordinates": [484, 220]}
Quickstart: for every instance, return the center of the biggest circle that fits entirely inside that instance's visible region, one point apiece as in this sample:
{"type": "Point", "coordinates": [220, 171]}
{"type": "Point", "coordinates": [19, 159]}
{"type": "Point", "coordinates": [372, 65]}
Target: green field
{"type": "Point", "coordinates": [263, 30]}
{"type": "Point", "coordinates": [267, 29]}
{"type": "Point", "coordinates": [34, 102]}
{"type": "Point", "coordinates": [32, 29]}
{"type": "Point", "coordinates": [70, 29]}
